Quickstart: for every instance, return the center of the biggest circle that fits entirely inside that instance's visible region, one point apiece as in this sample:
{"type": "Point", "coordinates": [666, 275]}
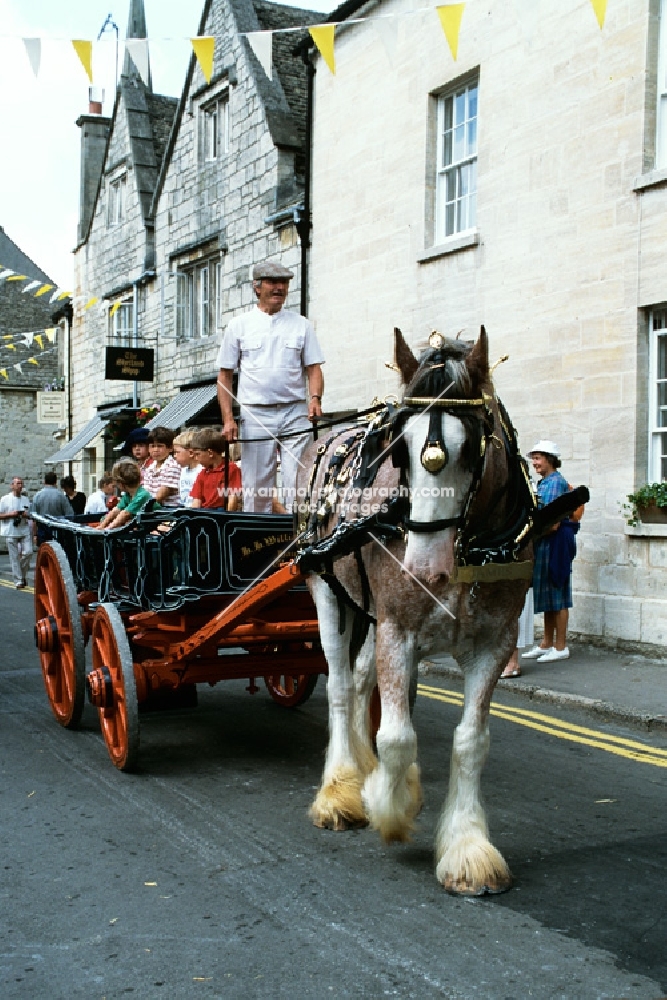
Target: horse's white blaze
{"type": "Point", "coordinates": [430, 556]}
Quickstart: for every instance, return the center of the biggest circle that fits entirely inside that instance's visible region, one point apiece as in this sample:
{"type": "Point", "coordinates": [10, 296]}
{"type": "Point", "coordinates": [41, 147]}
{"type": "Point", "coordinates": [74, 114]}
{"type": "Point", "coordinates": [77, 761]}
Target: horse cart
{"type": "Point", "coordinates": [169, 601]}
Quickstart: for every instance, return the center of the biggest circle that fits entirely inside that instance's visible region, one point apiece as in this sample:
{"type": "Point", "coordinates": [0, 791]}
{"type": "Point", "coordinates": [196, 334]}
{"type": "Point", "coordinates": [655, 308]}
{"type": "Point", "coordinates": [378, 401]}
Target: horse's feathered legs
{"type": "Point", "coordinates": [392, 793]}
{"type": "Point", "coordinates": [466, 862]}
{"type": "Point", "coordinates": [350, 757]}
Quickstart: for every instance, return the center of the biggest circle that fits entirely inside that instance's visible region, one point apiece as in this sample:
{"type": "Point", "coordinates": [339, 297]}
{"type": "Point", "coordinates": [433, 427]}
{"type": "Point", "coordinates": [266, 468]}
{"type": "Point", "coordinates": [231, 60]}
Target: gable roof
{"type": "Point", "coordinates": [12, 256]}
{"type": "Point", "coordinates": [284, 97]}
{"type": "Point", "coordinates": [21, 313]}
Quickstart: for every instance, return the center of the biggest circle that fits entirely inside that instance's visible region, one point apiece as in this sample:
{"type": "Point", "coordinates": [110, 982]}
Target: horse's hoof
{"type": "Point", "coordinates": [338, 823]}
{"type": "Point", "coordinates": [338, 804]}
{"type": "Point", "coordinates": [461, 887]}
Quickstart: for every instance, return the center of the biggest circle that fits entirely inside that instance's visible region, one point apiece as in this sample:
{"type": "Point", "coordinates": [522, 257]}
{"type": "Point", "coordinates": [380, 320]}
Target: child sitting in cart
{"type": "Point", "coordinates": [217, 475]}
{"type": "Point", "coordinates": [134, 498]}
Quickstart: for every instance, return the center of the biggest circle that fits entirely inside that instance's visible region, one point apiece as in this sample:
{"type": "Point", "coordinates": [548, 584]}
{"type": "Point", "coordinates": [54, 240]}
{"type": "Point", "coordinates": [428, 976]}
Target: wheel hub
{"type": "Point", "coordinates": [46, 635]}
{"type": "Point", "coordinates": [100, 687]}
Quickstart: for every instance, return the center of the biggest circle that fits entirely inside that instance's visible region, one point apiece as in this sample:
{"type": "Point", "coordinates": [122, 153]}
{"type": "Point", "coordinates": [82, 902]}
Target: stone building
{"type": "Point", "coordinates": [30, 417]}
{"type": "Point", "coordinates": [522, 185]}
{"type": "Point", "coordinates": [178, 198]}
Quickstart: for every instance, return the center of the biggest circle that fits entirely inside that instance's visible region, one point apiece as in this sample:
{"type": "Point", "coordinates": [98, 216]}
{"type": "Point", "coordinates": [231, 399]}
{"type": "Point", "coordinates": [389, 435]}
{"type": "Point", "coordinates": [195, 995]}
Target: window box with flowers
{"type": "Point", "coordinates": [647, 505]}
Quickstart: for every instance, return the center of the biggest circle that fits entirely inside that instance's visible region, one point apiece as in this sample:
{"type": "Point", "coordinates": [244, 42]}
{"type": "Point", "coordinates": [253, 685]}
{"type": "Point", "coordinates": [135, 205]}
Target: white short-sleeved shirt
{"type": "Point", "coordinates": [10, 503]}
{"type": "Point", "coordinates": [186, 483]}
{"type": "Point", "coordinates": [271, 353]}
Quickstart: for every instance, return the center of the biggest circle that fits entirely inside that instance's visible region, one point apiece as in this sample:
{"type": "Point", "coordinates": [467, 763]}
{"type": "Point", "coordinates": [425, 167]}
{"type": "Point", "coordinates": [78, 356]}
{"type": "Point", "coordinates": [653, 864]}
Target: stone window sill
{"type": "Point", "coordinates": [453, 245]}
{"type": "Point", "coordinates": [647, 530]}
{"type": "Point", "coordinates": [654, 178]}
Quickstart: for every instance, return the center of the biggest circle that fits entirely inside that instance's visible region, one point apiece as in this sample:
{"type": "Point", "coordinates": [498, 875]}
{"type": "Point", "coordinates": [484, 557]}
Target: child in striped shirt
{"type": "Point", "coordinates": [162, 476]}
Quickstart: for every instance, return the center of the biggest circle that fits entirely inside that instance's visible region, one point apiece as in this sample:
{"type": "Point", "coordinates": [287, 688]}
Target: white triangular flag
{"type": "Point", "coordinates": [261, 43]}
{"type": "Point", "coordinates": [387, 29]}
{"type": "Point", "coordinates": [33, 48]}
{"type": "Point", "coordinates": [6, 274]}
{"type": "Point", "coordinates": [28, 338]}
{"type": "Point", "coordinates": [19, 367]}
{"type": "Point", "coordinates": [138, 50]}
{"type": "Point", "coordinates": [30, 286]}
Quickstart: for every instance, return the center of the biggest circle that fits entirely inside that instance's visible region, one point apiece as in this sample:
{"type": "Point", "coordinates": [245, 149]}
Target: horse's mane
{"type": "Point", "coordinates": [446, 372]}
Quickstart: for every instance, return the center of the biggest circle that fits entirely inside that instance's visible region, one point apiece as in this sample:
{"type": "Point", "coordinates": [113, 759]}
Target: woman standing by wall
{"type": "Point", "coordinates": [552, 572]}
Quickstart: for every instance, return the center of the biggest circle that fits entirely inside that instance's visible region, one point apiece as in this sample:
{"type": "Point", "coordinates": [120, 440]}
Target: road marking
{"type": "Point", "coordinates": [12, 586]}
{"type": "Point", "coordinates": [622, 747]}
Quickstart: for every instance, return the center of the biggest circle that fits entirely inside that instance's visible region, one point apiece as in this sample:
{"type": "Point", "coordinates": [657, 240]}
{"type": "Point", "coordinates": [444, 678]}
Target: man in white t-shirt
{"type": "Point", "coordinates": [16, 530]}
{"type": "Point", "coordinates": [280, 386]}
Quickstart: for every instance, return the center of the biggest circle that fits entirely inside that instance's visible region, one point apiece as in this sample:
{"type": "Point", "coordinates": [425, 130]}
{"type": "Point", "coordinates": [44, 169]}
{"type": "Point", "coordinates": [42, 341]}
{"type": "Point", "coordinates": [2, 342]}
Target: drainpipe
{"type": "Point", "coordinates": [304, 225]}
{"type": "Point", "coordinates": [135, 334]}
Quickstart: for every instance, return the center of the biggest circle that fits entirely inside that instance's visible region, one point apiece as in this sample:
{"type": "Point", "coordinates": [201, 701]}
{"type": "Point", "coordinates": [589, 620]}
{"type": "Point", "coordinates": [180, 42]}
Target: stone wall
{"type": "Point", "coordinates": [553, 269]}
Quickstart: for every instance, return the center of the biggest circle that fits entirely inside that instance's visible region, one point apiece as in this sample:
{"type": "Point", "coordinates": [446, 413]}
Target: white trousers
{"type": "Point", "coordinates": [259, 459]}
{"type": "Point", "coordinates": [20, 553]}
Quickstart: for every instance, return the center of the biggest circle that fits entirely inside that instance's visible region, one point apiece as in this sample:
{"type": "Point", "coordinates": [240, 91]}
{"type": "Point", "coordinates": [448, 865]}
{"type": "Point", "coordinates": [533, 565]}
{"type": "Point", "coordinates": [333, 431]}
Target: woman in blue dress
{"type": "Point", "coordinates": [554, 598]}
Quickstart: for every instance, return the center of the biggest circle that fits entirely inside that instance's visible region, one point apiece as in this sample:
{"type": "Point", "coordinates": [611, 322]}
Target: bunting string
{"type": "Point", "coordinates": [323, 36]}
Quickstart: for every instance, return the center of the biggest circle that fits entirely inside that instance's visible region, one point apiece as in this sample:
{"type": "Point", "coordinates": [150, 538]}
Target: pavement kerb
{"type": "Point", "coordinates": [593, 706]}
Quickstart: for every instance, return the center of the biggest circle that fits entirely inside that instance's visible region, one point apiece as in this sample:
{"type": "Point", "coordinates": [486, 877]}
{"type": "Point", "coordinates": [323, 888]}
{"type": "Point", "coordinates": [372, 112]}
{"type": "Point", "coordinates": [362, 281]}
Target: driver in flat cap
{"type": "Point", "coordinates": [280, 386]}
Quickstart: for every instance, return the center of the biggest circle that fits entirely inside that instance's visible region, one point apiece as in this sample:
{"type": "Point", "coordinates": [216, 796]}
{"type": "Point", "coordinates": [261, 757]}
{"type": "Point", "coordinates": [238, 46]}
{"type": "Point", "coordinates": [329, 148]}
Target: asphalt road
{"type": "Point", "coordinates": [201, 876]}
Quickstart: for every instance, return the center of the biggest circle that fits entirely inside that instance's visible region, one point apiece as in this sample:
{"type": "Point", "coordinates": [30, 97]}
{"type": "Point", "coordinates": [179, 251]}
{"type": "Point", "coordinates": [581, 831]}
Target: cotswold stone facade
{"type": "Point", "coordinates": [563, 259]}
{"type": "Point", "coordinates": [181, 213]}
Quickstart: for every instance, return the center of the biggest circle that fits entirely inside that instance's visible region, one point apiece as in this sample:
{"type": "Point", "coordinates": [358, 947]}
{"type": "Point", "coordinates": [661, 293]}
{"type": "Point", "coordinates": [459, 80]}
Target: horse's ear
{"type": "Point", "coordinates": [477, 361]}
{"type": "Point", "coordinates": [404, 359]}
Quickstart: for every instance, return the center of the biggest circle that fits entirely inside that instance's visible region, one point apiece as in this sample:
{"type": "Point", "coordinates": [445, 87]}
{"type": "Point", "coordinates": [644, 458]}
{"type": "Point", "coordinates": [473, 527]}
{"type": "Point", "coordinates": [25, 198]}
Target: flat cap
{"type": "Point", "coordinates": [269, 269]}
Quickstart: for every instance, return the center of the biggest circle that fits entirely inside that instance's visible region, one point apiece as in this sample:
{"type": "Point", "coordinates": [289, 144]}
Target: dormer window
{"type": "Point", "coordinates": [116, 202]}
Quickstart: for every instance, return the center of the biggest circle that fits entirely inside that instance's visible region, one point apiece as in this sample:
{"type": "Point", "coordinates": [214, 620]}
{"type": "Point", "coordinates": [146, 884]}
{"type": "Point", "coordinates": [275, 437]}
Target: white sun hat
{"type": "Point", "coordinates": [545, 447]}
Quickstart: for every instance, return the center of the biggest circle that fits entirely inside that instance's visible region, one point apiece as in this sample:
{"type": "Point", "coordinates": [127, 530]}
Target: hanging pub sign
{"type": "Point", "coordinates": [129, 363]}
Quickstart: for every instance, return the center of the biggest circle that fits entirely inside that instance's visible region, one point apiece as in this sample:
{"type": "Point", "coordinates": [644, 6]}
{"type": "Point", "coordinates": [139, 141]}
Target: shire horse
{"type": "Point", "coordinates": [442, 567]}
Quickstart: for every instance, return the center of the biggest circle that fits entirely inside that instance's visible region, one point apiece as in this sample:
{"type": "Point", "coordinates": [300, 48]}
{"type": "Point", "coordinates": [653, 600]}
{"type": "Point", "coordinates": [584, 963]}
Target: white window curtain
{"type": "Point", "coordinates": [657, 463]}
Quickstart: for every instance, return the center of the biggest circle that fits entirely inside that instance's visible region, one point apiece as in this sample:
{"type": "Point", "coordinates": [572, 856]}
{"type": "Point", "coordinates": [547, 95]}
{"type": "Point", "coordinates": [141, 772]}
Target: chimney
{"type": "Point", "coordinates": [94, 133]}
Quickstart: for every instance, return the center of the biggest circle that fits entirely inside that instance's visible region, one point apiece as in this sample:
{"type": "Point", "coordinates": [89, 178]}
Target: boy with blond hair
{"type": "Point", "coordinates": [209, 488]}
{"type": "Point", "coordinates": [190, 467]}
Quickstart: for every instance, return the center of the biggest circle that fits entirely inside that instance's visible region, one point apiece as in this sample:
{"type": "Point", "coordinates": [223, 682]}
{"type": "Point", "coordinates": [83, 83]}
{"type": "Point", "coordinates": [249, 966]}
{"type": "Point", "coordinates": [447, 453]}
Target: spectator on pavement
{"type": "Point", "coordinates": [75, 497]}
{"type": "Point", "coordinates": [15, 527]}
{"type": "Point", "coordinates": [49, 502]}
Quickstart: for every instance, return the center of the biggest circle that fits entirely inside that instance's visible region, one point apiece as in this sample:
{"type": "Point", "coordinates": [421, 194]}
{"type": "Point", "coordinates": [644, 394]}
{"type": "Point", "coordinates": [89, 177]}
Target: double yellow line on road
{"type": "Point", "coordinates": [12, 586]}
{"type": "Point", "coordinates": [551, 726]}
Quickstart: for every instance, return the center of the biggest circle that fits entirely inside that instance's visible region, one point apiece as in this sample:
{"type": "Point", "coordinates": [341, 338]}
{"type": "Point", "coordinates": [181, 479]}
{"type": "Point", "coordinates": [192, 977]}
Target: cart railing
{"type": "Point", "coordinates": [163, 559]}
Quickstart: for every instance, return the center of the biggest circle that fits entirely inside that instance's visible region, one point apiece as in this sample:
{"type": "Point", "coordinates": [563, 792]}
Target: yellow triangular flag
{"type": "Point", "coordinates": [40, 340]}
{"type": "Point", "coordinates": [51, 333]}
{"type": "Point", "coordinates": [11, 347]}
{"type": "Point", "coordinates": [84, 50]}
{"type": "Point", "coordinates": [3, 372]}
{"type": "Point", "coordinates": [323, 36]}
{"type": "Point", "coordinates": [450, 19]}
{"type": "Point", "coordinates": [204, 49]}
{"type": "Point", "coordinates": [90, 302]}
{"type": "Point", "coordinates": [600, 8]}
{"type": "Point", "coordinates": [115, 307]}
{"type": "Point", "coordinates": [33, 361]}
{"type": "Point", "coordinates": [17, 277]}
{"type": "Point", "coordinates": [43, 290]}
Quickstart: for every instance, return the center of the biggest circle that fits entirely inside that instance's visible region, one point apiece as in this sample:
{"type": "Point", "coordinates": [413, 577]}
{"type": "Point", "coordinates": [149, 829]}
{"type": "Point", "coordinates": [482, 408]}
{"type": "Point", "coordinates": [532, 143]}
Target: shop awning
{"type": "Point", "coordinates": [186, 405]}
{"type": "Point", "coordinates": [69, 451]}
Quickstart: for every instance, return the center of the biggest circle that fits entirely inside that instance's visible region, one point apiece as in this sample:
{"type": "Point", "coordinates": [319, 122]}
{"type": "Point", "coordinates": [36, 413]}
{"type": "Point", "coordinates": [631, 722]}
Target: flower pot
{"type": "Point", "coordinates": [653, 514]}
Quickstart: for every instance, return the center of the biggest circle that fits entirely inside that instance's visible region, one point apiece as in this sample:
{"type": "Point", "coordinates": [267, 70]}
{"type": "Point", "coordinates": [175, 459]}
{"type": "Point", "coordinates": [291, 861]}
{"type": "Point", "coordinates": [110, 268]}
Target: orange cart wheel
{"type": "Point", "coordinates": [290, 691]}
{"type": "Point", "coordinates": [112, 688]}
{"type": "Point", "coordinates": [58, 634]}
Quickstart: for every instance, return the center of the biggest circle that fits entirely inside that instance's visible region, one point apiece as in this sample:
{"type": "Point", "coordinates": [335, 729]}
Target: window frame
{"type": "Point", "coordinates": [214, 123]}
{"type": "Point", "coordinates": [122, 334]}
{"type": "Point", "coordinates": [462, 167]}
{"type": "Point", "coordinates": [198, 296]}
{"type": "Point", "coordinates": [661, 92]}
{"type": "Point", "coordinates": [657, 461]}
{"type": "Point", "coordinates": [117, 200]}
